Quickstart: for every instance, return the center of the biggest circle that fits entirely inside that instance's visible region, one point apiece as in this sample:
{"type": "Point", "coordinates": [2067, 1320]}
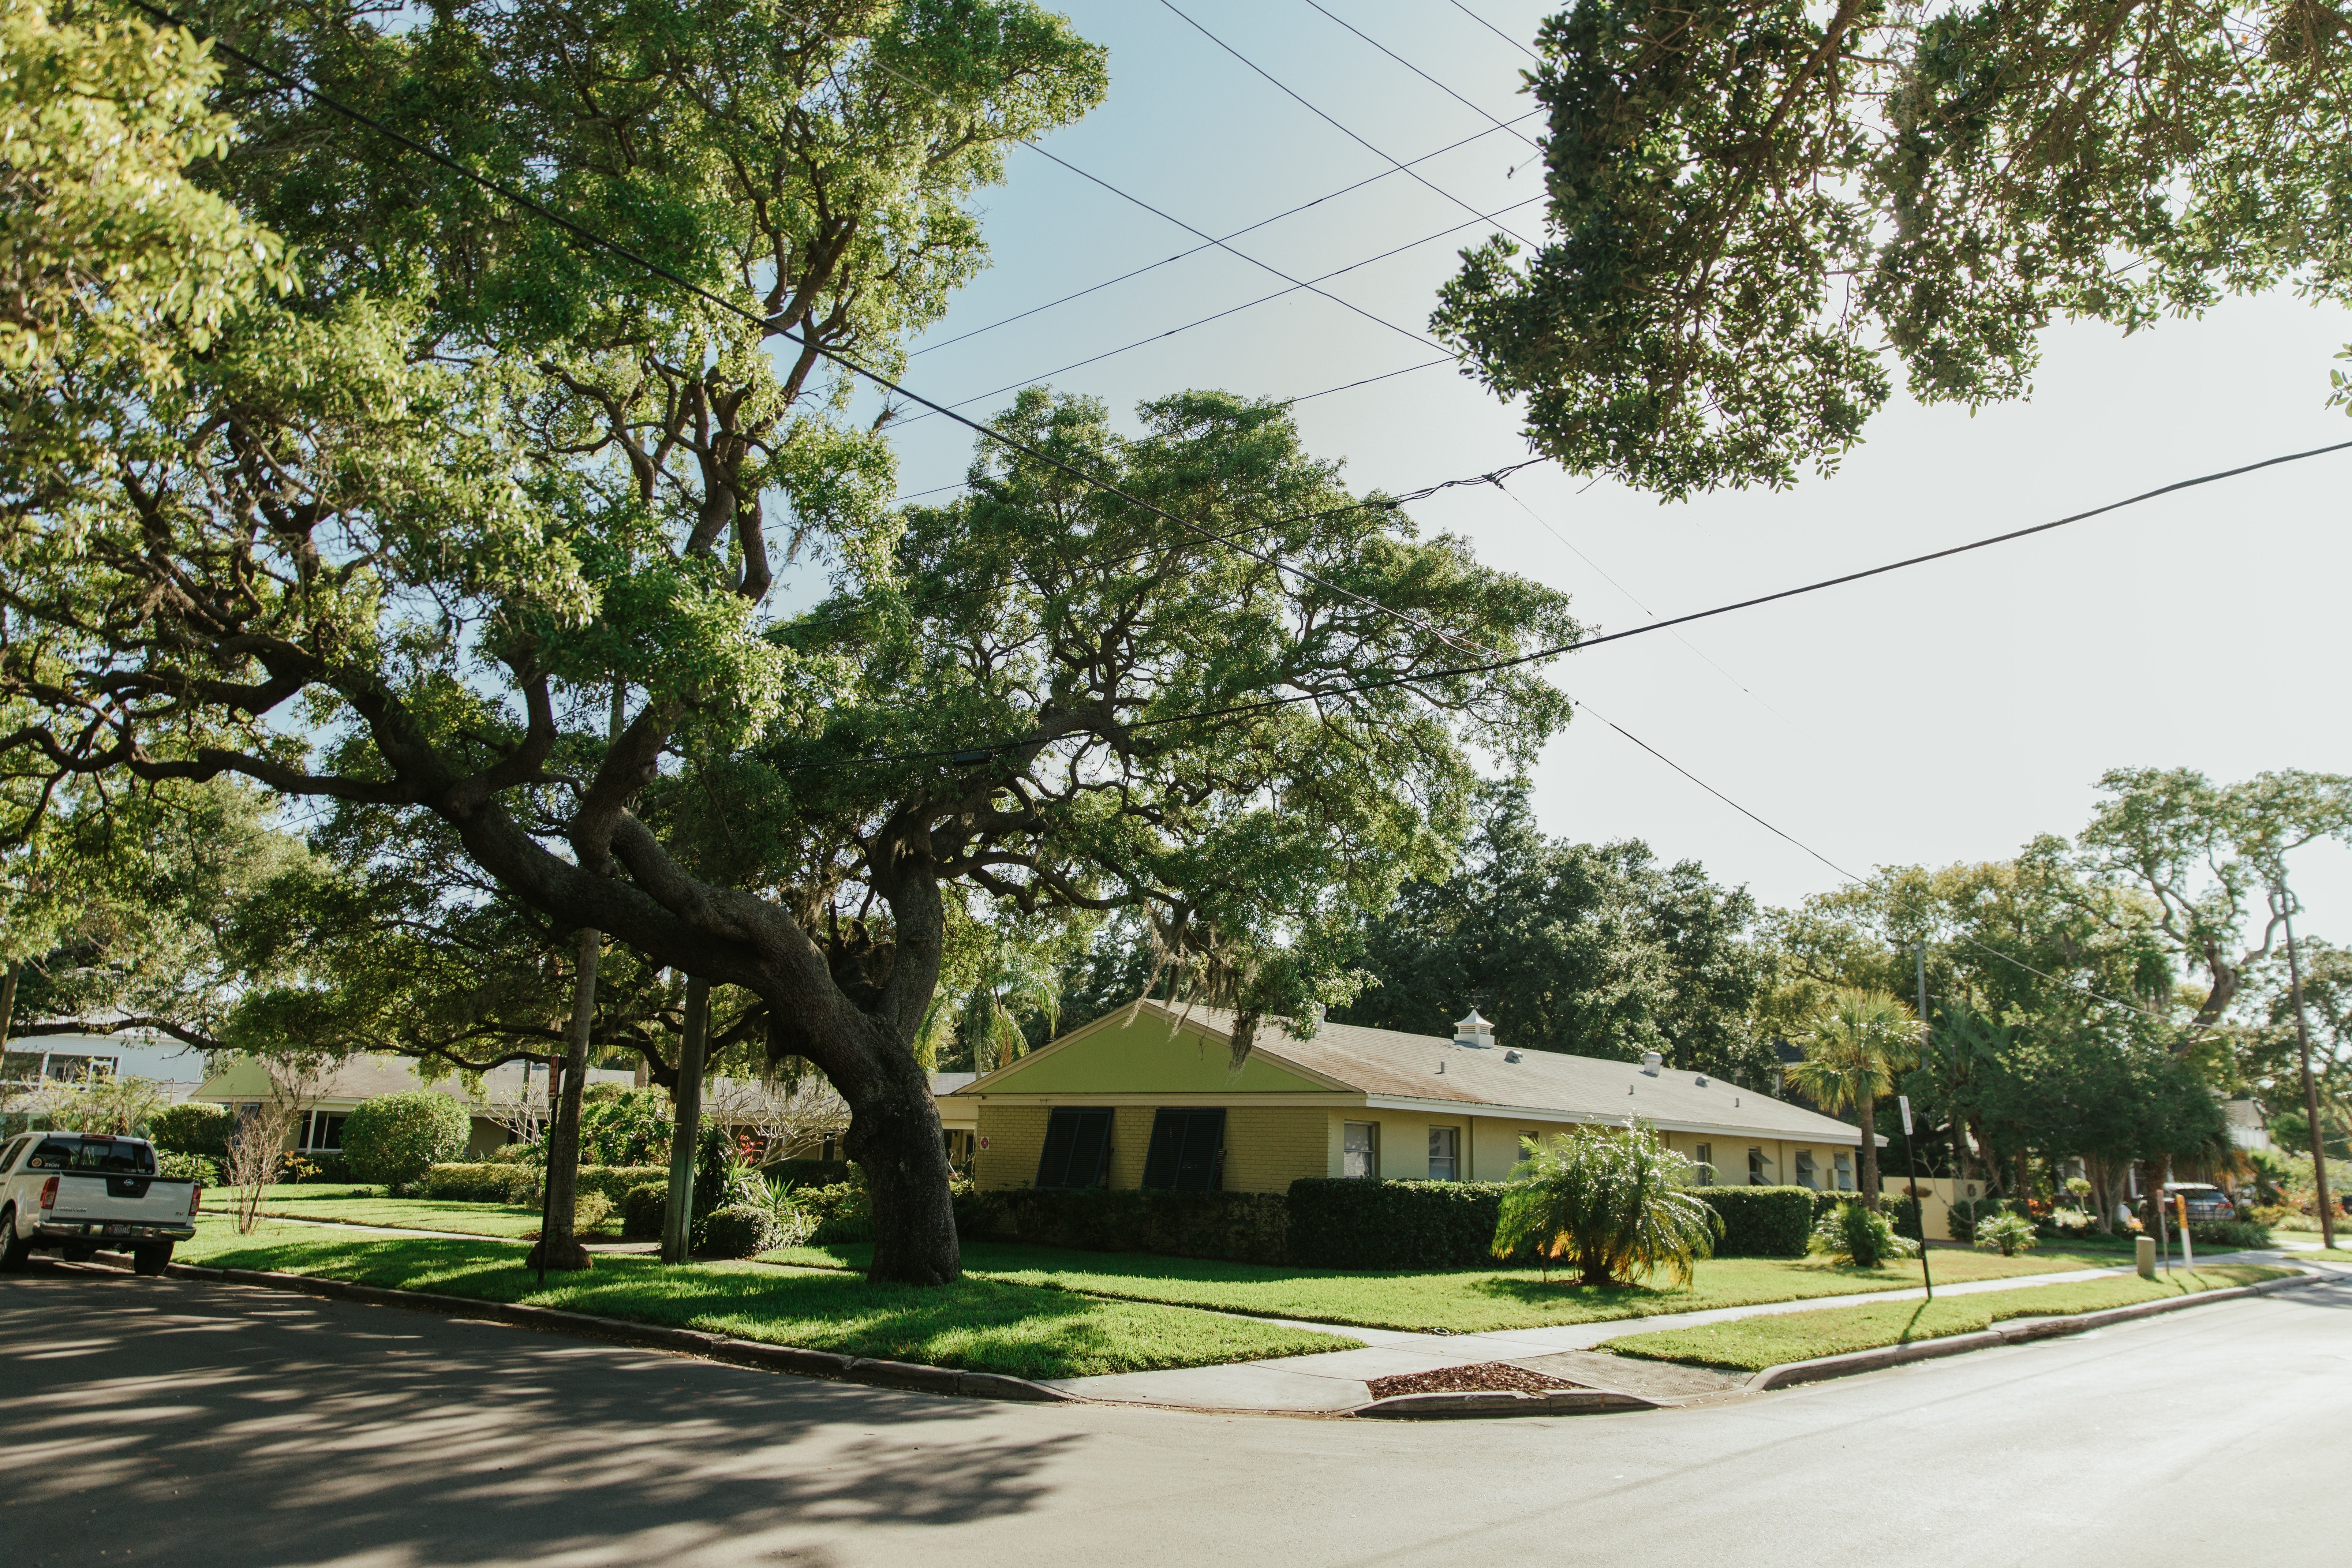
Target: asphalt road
{"type": "Point", "coordinates": [165, 1422]}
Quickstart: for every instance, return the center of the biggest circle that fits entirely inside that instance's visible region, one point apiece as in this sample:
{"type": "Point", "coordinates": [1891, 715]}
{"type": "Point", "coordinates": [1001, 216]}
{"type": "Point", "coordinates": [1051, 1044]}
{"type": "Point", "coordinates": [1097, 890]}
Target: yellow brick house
{"type": "Point", "coordinates": [1146, 1097]}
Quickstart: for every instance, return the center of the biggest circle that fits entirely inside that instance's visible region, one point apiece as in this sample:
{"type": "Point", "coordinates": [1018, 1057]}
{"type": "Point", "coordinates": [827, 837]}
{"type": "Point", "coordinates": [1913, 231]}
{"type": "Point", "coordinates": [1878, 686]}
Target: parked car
{"type": "Point", "coordinates": [74, 1193]}
{"type": "Point", "coordinates": [2206, 1201]}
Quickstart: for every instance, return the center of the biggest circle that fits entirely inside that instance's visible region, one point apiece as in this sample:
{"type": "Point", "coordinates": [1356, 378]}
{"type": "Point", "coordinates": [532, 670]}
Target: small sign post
{"type": "Point", "coordinates": [1918, 1202]}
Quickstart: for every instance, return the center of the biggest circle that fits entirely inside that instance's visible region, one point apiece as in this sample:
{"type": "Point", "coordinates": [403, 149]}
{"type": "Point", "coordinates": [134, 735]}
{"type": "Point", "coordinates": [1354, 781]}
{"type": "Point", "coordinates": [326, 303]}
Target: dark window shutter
{"type": "Point", "coordinates": [1077, 1146]}
{"type": "Point", "coordinates": [1184, 1153]}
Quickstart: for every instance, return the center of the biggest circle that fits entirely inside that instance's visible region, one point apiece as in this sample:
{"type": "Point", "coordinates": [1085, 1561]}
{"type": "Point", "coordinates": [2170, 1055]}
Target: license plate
{"type": "Point", "coordinates": [118, 1230]}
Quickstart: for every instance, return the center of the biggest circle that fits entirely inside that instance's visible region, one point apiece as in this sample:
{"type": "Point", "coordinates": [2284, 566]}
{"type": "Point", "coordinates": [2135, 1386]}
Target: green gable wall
{"type": "Point", "coordinates": [1142, 1057]}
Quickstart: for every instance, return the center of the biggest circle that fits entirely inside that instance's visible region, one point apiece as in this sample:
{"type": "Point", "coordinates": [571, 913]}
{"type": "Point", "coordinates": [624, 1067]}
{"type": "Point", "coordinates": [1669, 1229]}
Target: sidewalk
{"type": "Point", "coordinates": [1335, 1380]}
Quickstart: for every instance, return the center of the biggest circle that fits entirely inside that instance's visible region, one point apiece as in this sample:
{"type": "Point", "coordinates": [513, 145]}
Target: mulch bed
{"type": "Point", "coordinates": [1486, 1377]}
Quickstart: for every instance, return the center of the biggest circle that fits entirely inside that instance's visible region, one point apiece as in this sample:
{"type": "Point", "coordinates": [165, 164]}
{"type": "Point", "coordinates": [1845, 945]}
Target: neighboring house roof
{"type": "Point", "coordinates": [1388, 1066]}
{"type": "Point", "coordinates": [366, 1078]}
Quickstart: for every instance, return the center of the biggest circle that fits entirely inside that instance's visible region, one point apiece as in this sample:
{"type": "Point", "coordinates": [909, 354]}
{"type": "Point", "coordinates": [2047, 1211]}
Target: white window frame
{"type": "Point", "coordinates": [1370, 1151]}
{"type": "Point", "coordinates": [1452, 1137]}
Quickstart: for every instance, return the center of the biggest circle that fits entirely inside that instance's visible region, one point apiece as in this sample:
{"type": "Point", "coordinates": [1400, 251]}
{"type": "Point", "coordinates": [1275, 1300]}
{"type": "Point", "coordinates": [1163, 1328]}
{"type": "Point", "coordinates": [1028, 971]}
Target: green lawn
{"type": "Point", "coordinates": [1466, 1301]}
{"type": "Point", "coordinates": [984, 1325]}
{"type": "Point", "coordinates": [357, 1205]}
{"type": "Point", "coordinates": [1750, 1344]}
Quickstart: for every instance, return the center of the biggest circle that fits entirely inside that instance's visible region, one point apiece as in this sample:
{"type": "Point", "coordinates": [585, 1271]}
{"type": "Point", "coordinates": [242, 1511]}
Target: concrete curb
{"type": "Point", "coordinates": [1441, 1406]}
{"type": "Point", "coordinates": [908, 1375]}
{"type": "Point", "coordinates": [2017, 1332]}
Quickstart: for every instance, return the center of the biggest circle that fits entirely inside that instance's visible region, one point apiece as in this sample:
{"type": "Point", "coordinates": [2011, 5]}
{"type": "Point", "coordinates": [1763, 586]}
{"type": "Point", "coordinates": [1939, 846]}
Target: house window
{"type": "Point", "coordinates": [1360, 1151]}
{"type": "Point", "coordinates": [1185, 1151]}
{"type": "Point", "coordinates": [1705, 1155]}
{"type": "Point", "coordinates": [1805, 1176]}
{"type": "Point", "coordinates": [1445, 1154]}
{"type": "Point", "coordinates": [1077, 1148]}
{"type": "Point", "coordinates": [1844, 1172]}
{"type": "Point", "coordinates": [326, 1131]}
{"type": "Point", "coordinates": [1756, 1163]}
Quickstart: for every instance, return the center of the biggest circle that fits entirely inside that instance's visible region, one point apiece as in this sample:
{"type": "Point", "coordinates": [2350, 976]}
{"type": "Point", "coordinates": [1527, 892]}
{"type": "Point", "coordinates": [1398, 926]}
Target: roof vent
{"type": "Point", "coordinates": [1512, 1056]}
{"type": "Point", "coordinates": [1651, 1061]}
{"type": "Point", "coordinates": [1441, 1067]}
{"type": "Point", "coordinates": [1474, 1032]}
{"type": "Point", "coordinates": [1701, 1081]}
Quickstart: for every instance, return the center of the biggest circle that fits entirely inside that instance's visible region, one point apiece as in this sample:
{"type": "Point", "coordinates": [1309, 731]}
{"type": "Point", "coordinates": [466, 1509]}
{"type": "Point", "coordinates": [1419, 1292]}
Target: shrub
{"type": "Point", "coordinates": [738, 1230]}
{"type": "Point", "coordinates": [1232, 1227]}
{"type": "Point", "coordinates": [1612, 1204]}
{"type": "Point", "coordinates": [396, 1139]}
{"type": "Point", "coordinates": [615, 1180]}
{"type": "Point", "coordinates": [807, 1172]}
{"type": "Point", "coordinates": [1853, 1232]}
{"type": "Point", "coordinates": [482, 1183]}
{"type": "Point", "coordinates": [2071, 1223]}
{"type": "Point", "coordinates": [2007, 1234]}
{"type": "Point", "coordinates": [642, 1211]}
{"type": "Point", "coordinates": [186, 1167]}
{"type": "Point", "coordinates": [1961, 1222]}
{"type": "Point", "coordinates": [1761, 1222]}
{"type": "Point", "coordinates": [623, 1126]}
{"type": "Point", "coordinates": [1901, 1209]}
{"type": "Point", "coordinates": [191, 1126]}
{"type": "Point", "coordinates": [1347, 1222]}
{"type": "Point", "coordinates": [590, 1210]}
{"type": "Point", "coordinates": [840, 1213]}
{"type": "Point", "coordinates": [2228, 1233]}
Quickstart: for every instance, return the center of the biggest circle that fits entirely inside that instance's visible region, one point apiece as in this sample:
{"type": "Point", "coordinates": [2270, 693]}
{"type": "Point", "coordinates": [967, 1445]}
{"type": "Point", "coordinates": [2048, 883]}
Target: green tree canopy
{"type": "Point", "coordinates": [1759, 208]}
{"type": "Point", "coordinates": [1593, 948]}
{"type": "Point", "coordinates": [482, 525]}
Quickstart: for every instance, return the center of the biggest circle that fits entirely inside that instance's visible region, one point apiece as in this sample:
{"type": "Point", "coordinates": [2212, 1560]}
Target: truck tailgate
{"type": "Point", "coordinates": [146, 1200]}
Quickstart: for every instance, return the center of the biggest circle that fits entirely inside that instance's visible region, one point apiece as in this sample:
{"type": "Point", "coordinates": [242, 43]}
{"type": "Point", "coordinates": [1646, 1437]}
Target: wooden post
{"type": "Point", "coordinates": [678, 1219]}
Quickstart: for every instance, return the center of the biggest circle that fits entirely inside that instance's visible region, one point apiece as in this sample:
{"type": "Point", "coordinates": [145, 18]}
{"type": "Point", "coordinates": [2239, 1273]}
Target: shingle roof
{"type": "Point", "coordinates": [1391, 1064]}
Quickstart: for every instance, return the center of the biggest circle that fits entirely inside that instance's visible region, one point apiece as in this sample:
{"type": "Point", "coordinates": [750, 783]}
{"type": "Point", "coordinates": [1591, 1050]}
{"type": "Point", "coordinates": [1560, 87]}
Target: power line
{"type": "Point", "coordinates": [1213, 244]}
{"type": "Point", "coordinates": [1327, 120]}
{"type": "Point", "coordinates": [776, 326]}
{"type": "Point", "coordinates": [984, 751]}
{"type": "Point", "coordinates": [1497, 31]}
{"type": "Point", "coordinates": [1245, 255]}
{"type": "Point", "coordinates": [1474, 109]}
{"type": "Point", "coordinates": [1217, 315]}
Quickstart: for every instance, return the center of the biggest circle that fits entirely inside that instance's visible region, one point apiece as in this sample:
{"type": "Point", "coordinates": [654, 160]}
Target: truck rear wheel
{"type": "Point", "coordinates": [150, 1257]}
{"type": "Point", "coordinates": [14, 1252]}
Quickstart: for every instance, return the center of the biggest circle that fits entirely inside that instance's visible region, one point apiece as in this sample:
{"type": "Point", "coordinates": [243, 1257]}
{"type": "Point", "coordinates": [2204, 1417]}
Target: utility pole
{"type": "Point", "coordinates": [1911, 1144]}
{"type": "Point", "coordinates": [2310, 1088]}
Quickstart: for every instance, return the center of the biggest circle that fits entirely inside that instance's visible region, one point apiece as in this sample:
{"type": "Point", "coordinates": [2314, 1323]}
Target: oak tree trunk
{"type": "Point", "coordinates": [678, 1219]}
{"type": "Point", "coordinates": [894, 1137]}
{"type": "Point", "coordinates": [558, 1246]}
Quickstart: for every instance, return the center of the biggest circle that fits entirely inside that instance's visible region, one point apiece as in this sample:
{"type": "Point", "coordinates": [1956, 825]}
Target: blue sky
{"type": "Point", "coordinates": [1946, 713]}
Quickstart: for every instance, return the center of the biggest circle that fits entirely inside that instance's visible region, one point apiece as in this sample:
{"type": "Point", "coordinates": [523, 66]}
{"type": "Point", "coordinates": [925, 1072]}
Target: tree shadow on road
{"type": "Point", "coordinates": [247, 1428]}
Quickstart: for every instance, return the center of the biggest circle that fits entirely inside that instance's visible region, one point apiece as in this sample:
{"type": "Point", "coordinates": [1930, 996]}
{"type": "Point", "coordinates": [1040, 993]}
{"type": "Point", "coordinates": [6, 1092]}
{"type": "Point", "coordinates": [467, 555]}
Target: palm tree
{"type": "Point", "coordinates": [1609, 1203]}
{"type": "Point", "coordinates": [1855, 1044]}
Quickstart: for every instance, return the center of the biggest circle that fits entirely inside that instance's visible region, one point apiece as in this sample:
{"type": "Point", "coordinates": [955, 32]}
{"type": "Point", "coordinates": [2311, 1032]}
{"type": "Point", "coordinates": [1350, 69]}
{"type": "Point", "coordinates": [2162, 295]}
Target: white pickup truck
{"type": "Point", "coordinates": [78, 1192]}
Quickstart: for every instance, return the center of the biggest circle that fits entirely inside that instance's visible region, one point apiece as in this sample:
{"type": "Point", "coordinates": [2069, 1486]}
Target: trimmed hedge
{"type": "Point", "coordinates": [1762, 1222]}
{"type": "Point", "coordinates": [1341, 1222]}
{"type": "Point", "coordinates": [642, 1211]}
{"type": "Point", "coordinates": [191, 1126]}
{"type": "Point", "coordinates": [483, 1183]}
{"type": "Point", "coordinates": [807, 1172]}
{"type": "Point", "coordinates": [2226, 1233]}
{"type": "Point", "coordinates": [1232, 1228]}
{"type": "Point", "coordinates": [493, 1182]}
{"type": "Point", "coordinates": [738, 1230]}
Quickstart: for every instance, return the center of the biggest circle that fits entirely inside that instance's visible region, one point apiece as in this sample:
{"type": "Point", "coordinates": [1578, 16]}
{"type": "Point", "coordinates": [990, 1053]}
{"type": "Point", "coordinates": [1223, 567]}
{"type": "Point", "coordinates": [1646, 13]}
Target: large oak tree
{"type": "Point", "coordinates": [483, 524]}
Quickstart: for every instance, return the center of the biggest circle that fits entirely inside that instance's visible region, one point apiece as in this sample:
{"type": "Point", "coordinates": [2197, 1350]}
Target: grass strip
{"type": "Point", "coordinates": [355, 1203]}
{"type": "Point", "coordinates": [979, 1324]}
{"type": "Point", "coordinates": [1751, 1345]}
{"type": "Point", "coordinates": [1460, 1302]}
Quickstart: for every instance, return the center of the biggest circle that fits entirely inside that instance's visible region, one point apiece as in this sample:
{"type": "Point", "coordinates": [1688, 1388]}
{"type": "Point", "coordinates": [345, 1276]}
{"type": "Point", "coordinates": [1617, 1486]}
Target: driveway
{"type": "Point", "coordinates": [179, 1423]}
